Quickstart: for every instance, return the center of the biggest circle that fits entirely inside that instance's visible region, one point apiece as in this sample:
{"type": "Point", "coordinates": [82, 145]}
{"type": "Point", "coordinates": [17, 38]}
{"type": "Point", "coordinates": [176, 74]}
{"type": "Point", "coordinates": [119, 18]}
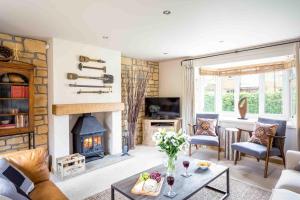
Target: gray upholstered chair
{"type": "Point", "coordinates": [204, 139]}
{"type": "Point", "coordinates": [260, 151]}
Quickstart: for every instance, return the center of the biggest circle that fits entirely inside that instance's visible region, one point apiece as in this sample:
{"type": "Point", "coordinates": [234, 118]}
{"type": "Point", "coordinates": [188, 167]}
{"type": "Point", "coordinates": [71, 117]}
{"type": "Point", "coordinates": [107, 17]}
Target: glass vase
{"type": "Point", "coordinates": [171, 165]}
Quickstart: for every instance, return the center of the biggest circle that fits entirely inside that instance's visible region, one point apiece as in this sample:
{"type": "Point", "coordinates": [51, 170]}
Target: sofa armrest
{"type": "Point", "coordinates": [33, 163]}
{"type": "Point", "coordinates": [292, 159]}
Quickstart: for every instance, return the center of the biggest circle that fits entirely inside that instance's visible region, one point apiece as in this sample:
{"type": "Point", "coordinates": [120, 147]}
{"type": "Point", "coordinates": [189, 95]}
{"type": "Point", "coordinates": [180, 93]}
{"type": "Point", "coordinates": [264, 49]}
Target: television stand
{"type": "Point", "coordinates": [150, 126]}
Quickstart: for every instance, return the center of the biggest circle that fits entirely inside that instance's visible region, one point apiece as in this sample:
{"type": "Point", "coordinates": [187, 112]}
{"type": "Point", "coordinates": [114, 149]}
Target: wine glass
{"type": "Point", "coordinates": [186, 165]}
{"type": "Point", "coordinates": [170, 181]}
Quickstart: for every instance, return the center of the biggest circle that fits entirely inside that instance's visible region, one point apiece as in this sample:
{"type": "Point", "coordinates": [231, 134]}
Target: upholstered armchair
{"type": "Point", "coordinates": [204, 139]}
{"type": "Point", "coordinates": [260, 151]}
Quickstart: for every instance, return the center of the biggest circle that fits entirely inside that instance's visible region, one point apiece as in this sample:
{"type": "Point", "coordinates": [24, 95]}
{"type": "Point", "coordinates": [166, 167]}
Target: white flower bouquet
{"type": "Point", "coordinates": [171, 143]}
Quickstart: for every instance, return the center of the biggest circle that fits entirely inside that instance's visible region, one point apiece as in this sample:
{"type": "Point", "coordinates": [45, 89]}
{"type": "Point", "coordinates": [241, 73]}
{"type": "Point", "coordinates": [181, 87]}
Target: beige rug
{"type": "Point", "coordinates": [238, 190]}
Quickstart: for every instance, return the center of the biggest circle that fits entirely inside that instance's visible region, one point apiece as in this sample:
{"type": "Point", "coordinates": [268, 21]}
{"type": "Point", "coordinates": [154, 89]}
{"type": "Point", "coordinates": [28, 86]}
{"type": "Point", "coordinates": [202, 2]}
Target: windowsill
{"type": "Point", "coordinates": [250, 121]}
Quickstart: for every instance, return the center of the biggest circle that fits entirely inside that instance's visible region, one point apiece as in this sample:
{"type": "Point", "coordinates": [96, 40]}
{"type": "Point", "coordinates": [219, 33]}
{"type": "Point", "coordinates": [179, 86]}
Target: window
{"type": "Point", "coordinates": [270, 94]}
{"type": "Point", "coordinates": [249, 87]}
{"type": "Point", "coordinates": [227, 89]}
{"type": "Point", "coordinates": [273, 92]}
{"type": "Point", "coordinates": [209, 93]}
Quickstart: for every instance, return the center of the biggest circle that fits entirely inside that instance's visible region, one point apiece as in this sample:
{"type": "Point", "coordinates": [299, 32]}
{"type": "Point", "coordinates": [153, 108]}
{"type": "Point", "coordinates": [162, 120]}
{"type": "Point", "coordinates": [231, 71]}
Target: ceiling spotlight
{"type": "Point", "coordinates": [165, 53]}
{"type": "Point", "coordinates": [166, 12]}
{"type": "Point", "coordinates": [105, 37]}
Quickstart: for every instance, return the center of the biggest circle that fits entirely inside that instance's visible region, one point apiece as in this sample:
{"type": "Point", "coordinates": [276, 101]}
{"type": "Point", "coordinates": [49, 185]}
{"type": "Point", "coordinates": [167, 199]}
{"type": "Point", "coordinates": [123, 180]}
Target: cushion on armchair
{"type": "Point", "coordinates": [206, 127]}
{"type": "Point", "coordinates": [204, 140]}
{"type": "Point", "coordinates": [253, 149]}
{"type": "Point", "coordinates": [261, 132]}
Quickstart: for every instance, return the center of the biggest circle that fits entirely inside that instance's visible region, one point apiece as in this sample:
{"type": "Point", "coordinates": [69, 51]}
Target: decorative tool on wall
{"type": "Point", "coordinates": [243, 104]}
{"type": "Point", "coordinates": [91, 86]}
{"type": "Point", "coordinates": [87, 59]}
{"type": "Point", "coordinates": [107, 78]}
{"type": "Point", "coordinates": [81, 66]}
{"type": "Point", "coordinates": [93, 92]}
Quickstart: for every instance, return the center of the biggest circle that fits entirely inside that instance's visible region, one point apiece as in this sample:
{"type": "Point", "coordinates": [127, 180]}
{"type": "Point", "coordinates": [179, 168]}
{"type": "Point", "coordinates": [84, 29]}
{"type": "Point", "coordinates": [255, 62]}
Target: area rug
{"type": "Point", "coordinates": [238, 191]}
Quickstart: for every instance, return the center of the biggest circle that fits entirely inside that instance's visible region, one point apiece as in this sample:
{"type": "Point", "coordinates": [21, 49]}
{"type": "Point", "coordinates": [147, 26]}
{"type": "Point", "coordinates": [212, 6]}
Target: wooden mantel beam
{"type": "Point", "coordinates": [70, 109]}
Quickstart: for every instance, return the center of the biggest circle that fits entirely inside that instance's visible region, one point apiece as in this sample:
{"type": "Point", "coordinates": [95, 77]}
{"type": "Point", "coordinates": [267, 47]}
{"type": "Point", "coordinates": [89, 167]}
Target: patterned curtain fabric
{"type": "Point", "coordinates": [297, 63]}
{"type": "Point", "coordinates": [188, 95]}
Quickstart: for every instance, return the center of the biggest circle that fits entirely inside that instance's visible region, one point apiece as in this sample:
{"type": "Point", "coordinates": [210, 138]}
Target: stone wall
{"type": "Point", "coordinates": [34, 52]}
{"type": "Point", "coordinates": [152, 89]}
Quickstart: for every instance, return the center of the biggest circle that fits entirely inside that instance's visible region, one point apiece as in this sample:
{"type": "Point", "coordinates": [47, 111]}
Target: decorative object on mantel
{"type": "Point", "coordinates": [6, 54]}
{"type": "Point", "coordinates": [243, 104]}
{"type": "Point", "coordinates": [69, 165]}
{"type": "Point", "coordinates": [93, 92]}
{"type": "Point", "coordinates": [87, 59]}
{"type": "Point", "coordinates": [107, 78]}
{"type": "Point", "coordinates": [135, 89]}
{"type": "Point", "coordinates": [81, 66]}
{"type": "Point", "coordinates": [91, 86]}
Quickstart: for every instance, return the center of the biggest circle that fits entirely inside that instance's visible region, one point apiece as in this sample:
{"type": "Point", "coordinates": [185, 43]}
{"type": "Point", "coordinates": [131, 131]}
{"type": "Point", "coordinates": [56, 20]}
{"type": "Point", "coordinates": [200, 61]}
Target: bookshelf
{"type": "Point", "coordinates": [17, 100]}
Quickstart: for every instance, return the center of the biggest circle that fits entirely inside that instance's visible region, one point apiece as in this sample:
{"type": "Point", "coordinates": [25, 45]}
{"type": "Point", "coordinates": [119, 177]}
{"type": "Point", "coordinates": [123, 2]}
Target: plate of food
{"type": "Point", "coordinates": [148, 184]}
{"type": "Point", "coordinates": [203, 164]}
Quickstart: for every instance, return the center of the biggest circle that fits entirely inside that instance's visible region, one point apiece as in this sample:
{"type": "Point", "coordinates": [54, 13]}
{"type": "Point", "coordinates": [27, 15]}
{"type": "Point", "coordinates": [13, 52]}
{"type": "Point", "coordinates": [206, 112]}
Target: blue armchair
{"type": "Point", "coordinates": [205, 139]}
{"type": "Point", "coordinates": [260, 151]}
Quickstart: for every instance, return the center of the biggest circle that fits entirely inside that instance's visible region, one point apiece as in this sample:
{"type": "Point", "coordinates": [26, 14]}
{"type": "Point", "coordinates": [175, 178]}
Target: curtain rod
{"type": "Point", "coordinates": [244, 49]}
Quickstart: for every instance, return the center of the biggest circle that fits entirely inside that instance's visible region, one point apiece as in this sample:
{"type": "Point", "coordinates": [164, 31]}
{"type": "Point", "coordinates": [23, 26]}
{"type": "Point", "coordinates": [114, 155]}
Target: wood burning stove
{"type": "Point", "coordinates": [88, 138]}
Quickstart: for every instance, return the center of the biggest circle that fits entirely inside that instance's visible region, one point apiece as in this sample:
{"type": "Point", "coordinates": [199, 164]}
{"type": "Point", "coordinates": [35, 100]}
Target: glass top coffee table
{"type": "Point", "coordinates": [184, 187]}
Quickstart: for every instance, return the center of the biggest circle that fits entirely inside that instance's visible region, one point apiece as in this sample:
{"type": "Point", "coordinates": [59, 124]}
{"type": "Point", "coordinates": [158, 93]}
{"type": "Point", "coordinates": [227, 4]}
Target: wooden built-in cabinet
{"type": "Point", "coordinates": [17, 100]}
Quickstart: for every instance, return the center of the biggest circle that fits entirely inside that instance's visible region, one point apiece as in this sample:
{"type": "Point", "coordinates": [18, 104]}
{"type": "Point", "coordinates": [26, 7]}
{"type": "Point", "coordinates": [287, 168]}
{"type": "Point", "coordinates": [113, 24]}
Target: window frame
{"type": "Point", "coordinates": [286, 92]}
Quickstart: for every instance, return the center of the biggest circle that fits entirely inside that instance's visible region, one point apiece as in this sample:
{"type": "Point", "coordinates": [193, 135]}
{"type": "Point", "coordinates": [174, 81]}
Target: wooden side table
{"type": "Point", "coordinates": [230, 137]}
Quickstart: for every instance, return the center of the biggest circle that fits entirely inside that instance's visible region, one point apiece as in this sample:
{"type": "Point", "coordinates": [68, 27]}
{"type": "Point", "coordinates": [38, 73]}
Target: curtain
{"type": "Point", "coordinates": [297, 63]}
{"type": "Point", "coordinates": [188, 95]}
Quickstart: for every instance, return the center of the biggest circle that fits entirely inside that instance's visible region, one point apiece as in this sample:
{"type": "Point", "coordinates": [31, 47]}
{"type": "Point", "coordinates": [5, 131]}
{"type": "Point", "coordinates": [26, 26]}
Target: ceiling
{"type": "Point", "coordinates": [138, 28]}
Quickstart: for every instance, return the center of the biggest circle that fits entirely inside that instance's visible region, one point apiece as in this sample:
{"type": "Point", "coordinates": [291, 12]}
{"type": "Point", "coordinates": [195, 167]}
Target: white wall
{"type": "Point", "coordinates": [64, 58]}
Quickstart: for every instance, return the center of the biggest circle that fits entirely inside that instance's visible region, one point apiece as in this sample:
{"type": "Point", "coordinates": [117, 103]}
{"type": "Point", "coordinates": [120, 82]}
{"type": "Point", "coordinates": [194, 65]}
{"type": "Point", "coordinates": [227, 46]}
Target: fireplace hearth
{"type": "Point", "coordinates": [88, 137]}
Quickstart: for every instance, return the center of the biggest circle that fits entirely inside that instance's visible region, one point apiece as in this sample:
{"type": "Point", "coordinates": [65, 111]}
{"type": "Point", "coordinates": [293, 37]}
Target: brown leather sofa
{"type": "Point", "coordinates": [33, 163]}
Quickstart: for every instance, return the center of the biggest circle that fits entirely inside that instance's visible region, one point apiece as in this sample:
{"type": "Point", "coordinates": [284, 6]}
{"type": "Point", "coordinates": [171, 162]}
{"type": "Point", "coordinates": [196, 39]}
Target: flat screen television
{"type": "Point", "coordinates": [162, 107]}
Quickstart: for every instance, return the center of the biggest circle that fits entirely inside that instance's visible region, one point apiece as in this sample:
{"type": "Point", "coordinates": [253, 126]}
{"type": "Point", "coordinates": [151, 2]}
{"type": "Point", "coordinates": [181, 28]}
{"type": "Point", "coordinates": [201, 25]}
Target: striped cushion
{"type": "Point", "coordinates": [9, 172]}
{"type": "Point", "coordinates": [10, 191]}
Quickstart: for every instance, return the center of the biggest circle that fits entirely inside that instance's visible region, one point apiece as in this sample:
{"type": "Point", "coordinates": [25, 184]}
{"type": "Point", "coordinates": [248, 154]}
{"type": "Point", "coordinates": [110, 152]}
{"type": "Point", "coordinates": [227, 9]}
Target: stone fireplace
{"type": "Point", "coordinates": [88, 137]}
{"type": "Point", "coordinates": [95, 134]}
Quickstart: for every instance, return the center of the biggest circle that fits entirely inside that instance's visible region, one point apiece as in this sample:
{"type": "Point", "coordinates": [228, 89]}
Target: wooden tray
{"type": "Point", "coordinates": [149, 193]}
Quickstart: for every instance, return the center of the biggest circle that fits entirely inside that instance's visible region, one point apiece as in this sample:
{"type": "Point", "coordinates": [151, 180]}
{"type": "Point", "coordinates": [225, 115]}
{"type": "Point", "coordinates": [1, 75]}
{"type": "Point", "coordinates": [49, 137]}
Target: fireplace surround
{"type": "Point", "coordinates": [88, 137]}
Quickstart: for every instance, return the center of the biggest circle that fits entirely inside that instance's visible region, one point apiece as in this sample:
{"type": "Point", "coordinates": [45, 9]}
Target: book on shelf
{"type": "Point", "coordinates": [7, 126]}
{"type": "Point", "coordinates": [19, 91]}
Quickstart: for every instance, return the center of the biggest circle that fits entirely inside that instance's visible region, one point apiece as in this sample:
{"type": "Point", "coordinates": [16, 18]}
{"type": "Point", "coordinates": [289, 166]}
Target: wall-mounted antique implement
{"type": "Point", "coordinates": [87, 59]}
{"type": "Point", "coordinates": [107, 78]}
{"type": "Point", "coordinates": [81, 66]}
{"type": "Point", "coordinates": [91, 86]}
{"type": "Point", "coordinates": [93, 92]}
